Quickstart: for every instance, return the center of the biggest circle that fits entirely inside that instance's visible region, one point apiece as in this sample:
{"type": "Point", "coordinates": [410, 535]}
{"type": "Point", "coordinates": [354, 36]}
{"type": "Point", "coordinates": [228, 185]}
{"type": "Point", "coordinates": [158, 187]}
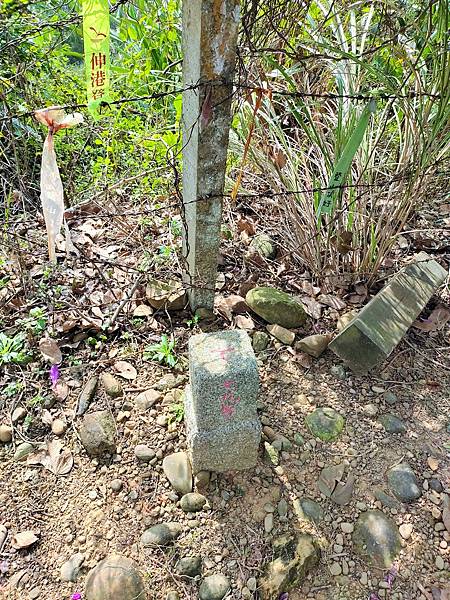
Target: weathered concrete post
{"type": "Point", "coordinates": [210, 29]}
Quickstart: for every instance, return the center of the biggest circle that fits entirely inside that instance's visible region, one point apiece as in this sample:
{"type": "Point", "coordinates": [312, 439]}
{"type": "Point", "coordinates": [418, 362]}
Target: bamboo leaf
{"type": "Point", "coordinates": [343, 164]}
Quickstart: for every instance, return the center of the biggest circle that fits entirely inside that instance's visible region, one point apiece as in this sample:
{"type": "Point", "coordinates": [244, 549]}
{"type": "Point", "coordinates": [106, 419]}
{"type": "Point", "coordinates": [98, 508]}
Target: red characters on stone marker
{"type": "Point", "coordinates": [224, 353]}
{"type": "Point", "coordinates": [229, 400]}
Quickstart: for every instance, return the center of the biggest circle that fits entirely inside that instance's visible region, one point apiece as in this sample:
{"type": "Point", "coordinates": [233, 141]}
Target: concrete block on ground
{"type": "Point", "coordinates": [377, 329]}
{"type": "Point", "coordinates": [222, 425]}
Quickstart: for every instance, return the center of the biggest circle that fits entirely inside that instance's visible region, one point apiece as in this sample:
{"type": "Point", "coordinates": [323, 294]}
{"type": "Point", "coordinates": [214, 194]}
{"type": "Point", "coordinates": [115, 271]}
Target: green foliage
{"type": "Point", "coordinates": [28, 422]}
{"type": "Point", "coordinates": [12, 349]}
{"type": "Point", "coordinates": [301, 142]}
{"type": "Point", "coordinates": [35, 323]}
{"type": "Point", "coordinates": [36, 401]}
{"type": "Point", "coordinates": [134, 137]}
{"type": "Point", "coordinates": [177, 412]}
{"type": "Point", "coordinates": [163, 352]}
{"type": "Point", "coordinates": [191, 323]}
{"type": "Point", "coordinates": [13, 389]}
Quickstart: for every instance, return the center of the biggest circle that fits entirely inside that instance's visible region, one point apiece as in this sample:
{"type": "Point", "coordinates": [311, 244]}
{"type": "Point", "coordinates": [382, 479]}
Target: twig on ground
{"type": "Point", "coordinates": [124, 301]}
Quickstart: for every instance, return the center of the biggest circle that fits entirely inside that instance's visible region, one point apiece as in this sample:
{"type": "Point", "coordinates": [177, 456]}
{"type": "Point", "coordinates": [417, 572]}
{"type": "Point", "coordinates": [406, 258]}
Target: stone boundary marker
{"type": "Point", "coordinates": [374, 333]}
{"type": "Point", "coordinates": [222, 425]}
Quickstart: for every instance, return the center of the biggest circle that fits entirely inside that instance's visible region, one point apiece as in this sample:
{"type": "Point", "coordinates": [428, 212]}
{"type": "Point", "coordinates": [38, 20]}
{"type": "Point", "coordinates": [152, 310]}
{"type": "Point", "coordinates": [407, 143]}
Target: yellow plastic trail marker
{"type": "Point", "coordinates": [96, 52]}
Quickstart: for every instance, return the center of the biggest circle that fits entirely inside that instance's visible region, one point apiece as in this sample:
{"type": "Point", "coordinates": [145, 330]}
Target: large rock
{"type": "Point", "coordinates": [23, 450]}
{"type": "Point", "coordinates": [295, 556]}
{"type": "Point", "coordinates": [161, 535]}
{"type": "Point", "coordinates": [115, 577]}
{"type": "Point", "coordinates": [263, 245]}
{"type": "Point", "coordinates": [275, 306]}
{"type": "Point", "coordinates": [376, 538]}
{"type": "Point", "coordinates": [282, 334]}
{"type": "Point", "coordinates": [5, 434]}
{"type": "Point", "coordinates": [309, 510]}
{"type": "Point", "coordinates": [143, 453]}
{"type": "Point", "coordinates": [147, 399]}
{"type": "Point", "coordinates": [189, 566]}
{"type": "Point", "coordinates": [112, 386]}
{"type": "Point", "coordinates": [403, 483]}
{"type": "Point", "coordinates": [98, 433]}
{"type": "Point", "coordinates": [214, 587]}
{"type": "Point", "coordinates": [166, 294]}
{"type": "Point", "coordinates": [177, 469]}
{"type": "Point", "coordinates": [86, 396]}
{"type": "Point", "coordinates": [325, 423]}
{"type": "Point", "coordinates": [260, 341]}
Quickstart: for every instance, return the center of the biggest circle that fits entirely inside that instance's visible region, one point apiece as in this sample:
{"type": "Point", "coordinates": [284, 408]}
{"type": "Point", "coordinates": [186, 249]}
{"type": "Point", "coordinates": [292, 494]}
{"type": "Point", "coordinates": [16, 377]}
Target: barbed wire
{"type": "Point", "coordinates": [71, 213]}
{"type": "Point", "coordinates": [375, 95]}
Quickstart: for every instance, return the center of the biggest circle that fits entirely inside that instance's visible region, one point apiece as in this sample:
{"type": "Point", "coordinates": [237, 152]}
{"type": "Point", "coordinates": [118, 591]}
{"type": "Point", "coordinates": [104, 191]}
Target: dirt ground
{"type": "Point", "coordinates": [79, 512]}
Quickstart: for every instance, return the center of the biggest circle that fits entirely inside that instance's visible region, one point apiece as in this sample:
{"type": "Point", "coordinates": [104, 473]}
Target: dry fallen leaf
{"type": "Point", "coordinates": [125, 369]}
{"type": "Point", "coordinates": [220, 281]}
{"type": "Point", "coordinates": [433, 463]}
{"type": "Point", "coordinates": [50, 350]}
{"type": "Point", "coordinates": [143, 310]}
{"type": "Point", "coordinates": [232, 304]}
{"type": "Point", "coordinates": [436, 321]}
{"type": "Point", "coordinates": [356, 299]}
{"type": "Point", "coordinates": [61, 390]}
{"type": "Point", "coordinates": [331, 301]}
{"type": "Point", "coordinates": [312, 307]}
{"type": "Point", "coordinates": [52, 456]}
{"type": "Point", "coordinates": [342, 241]}
{"type": "Point", "coordinates": [46, 417]}
{"type": "Point", "coordinates": [309, 288]}
{"type": "Point", "coordinates": [97, 312]}
{"type": "Point", "coordinates": [24, 539]}
{"type": "Point", "coordinates": [247, 225]}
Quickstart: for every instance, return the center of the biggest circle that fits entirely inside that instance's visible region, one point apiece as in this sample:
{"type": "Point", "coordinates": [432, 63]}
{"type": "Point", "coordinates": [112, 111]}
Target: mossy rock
{"type": "Point", "coordinates": [275, 306]}
{"type": "Point", "coordinates": [264, 246]}
{"type": "Point", "coordinates": [325, 423]}
{"type": "Point", "coordinates": [294, 557]}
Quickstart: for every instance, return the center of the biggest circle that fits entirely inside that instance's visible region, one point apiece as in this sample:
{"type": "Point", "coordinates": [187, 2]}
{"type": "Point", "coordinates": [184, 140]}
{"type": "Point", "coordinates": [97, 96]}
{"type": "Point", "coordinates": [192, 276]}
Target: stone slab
{"type": "Point", "coordinates": [377, 329]}
{"type": "Point", "coordinates": [222, 426]}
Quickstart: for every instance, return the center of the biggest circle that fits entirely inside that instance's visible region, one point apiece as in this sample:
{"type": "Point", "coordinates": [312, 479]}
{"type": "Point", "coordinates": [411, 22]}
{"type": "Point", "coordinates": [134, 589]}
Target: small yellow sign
{"type": "Point", "coordinates": [96, 52]}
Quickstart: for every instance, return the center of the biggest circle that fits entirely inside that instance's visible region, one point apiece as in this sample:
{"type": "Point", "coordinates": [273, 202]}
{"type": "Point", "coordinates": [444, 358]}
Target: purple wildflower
{"type": "Point", "coordinates": [390, 577]}
{"type": "Point", "coordinates": [76, 596]}
{"type": "Point", "coordinates": [284, 596]}
{"type": "Point", "coordinates": [4, 567]}
{"type": "Point", "coordinates": [54, 374]}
